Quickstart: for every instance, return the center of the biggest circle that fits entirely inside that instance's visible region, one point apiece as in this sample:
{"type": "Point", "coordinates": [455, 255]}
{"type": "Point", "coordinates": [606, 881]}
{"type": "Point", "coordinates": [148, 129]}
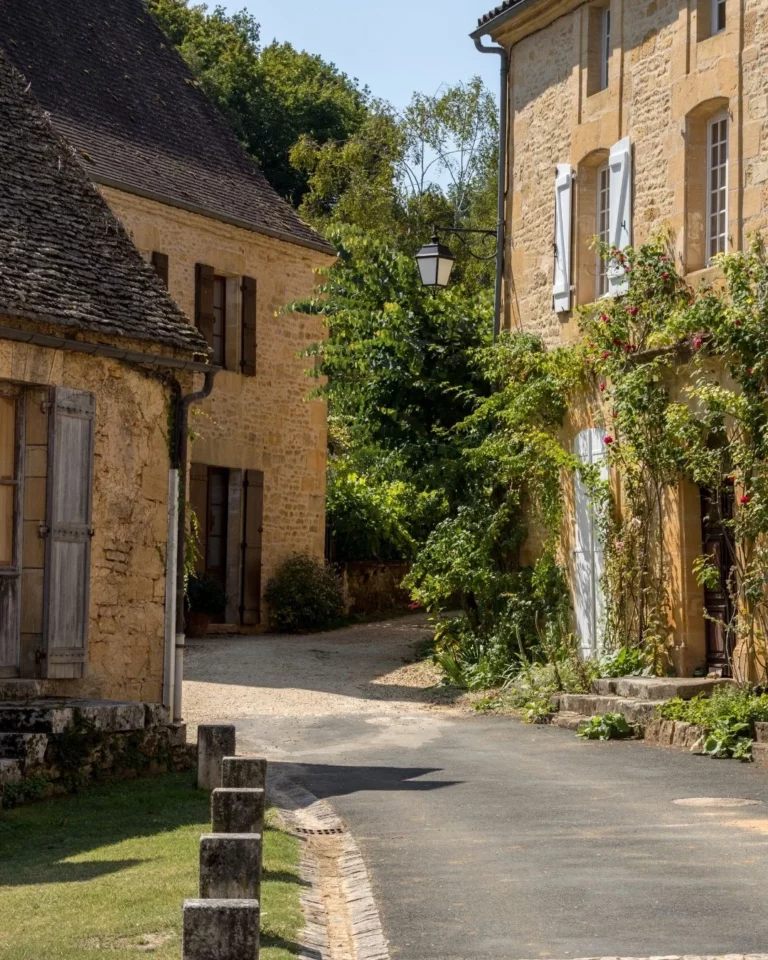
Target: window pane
{"type": "Point", "coordinates": [7, 438]}
{"type": "Point", "coordinates": [7, 495]}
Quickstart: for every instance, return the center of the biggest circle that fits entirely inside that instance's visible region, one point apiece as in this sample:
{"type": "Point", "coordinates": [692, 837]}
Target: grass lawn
{"type": "Point", "coordinates": [104, 873]}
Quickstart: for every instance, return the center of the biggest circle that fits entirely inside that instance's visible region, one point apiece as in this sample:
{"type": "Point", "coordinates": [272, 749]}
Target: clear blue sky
{"type": "Point", "coordinates": [393, 46]}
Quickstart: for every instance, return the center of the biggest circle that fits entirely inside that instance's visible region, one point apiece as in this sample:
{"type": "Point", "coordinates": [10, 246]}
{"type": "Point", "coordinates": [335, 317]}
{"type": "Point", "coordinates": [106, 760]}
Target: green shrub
{"type": "Point", "coordinates": [606, 726]}
{"type": "Point", "coordinates": [304, 594]}
{"type": "Point", "coordinates": [542, 680]}
{"type": "Point", "coordinates": [626, 662]}
{"type": "Point", "coordinates": [206, 595]}
{"type": "Point", "coordinates": [729, 738]}
{"type": "Point", "coordinates": [737, 704]}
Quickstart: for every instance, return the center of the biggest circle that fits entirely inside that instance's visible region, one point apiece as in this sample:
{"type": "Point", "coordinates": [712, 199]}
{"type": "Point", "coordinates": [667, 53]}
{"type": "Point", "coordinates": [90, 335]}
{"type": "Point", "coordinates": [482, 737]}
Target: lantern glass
{"type": "Point", "coordinates": [435, 264]}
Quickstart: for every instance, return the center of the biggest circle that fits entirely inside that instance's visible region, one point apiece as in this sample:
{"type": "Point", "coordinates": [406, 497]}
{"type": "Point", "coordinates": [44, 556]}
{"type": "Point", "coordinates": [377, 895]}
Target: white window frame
{"type": "Point", "coordinates": [720, 235]}
{"type": "Point", "coordinates": [602, 226]}
{"type": "Point", "coordinates": [717, 6]}
{"type": "Point", "coordinates": [605, 47]}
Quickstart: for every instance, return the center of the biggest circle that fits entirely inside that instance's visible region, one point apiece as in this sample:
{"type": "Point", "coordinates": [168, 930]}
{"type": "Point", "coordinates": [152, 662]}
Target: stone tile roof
{"type": "Point", "coordinates": [64, 258]}
{"type": "Point", "coordinates": [119, 92]}
{"type": "Point", "coordinates": [502, 7]}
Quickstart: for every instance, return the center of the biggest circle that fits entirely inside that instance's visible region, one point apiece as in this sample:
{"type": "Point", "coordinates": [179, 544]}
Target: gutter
{"type": "Point", "coordinates": [320, 245]}
{"type": "Point", "coordinates": [102, 350]}
{"type": "Point", "coordinates": [502, 191]}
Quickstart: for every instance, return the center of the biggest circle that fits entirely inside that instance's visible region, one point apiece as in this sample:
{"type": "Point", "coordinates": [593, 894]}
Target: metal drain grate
{"type": "Point", "coordinates": [333, 831]}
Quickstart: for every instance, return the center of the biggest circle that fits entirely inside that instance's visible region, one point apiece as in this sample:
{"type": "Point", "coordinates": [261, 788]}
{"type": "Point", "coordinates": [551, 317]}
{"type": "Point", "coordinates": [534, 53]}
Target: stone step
{"type": "Point", "coordinates": [20, 689]}
{"type": "Point", "coordinates": [658, 688]}
{"type": "Point", "coordinates": [761, 732]}
{"type": "Point", "coordinates": [57, 716]}
{"type": "Point", "coordinates": [28, 748]}
{"type": "Point", "coordinates": [760, 755]}
{"type": "Point", "coordinates": [569, 721]}
{"type": "Point", "coordinates": [589, 705]}
{"type": "Point", "coordinates": [10, 772]}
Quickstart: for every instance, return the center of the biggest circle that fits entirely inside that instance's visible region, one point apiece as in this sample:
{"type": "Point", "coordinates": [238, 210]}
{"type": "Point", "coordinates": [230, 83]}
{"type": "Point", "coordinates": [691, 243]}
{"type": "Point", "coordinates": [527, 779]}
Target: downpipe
{"type": "Point", "coordinates": [179, 465]}
{"type": "Point", "coordinates": [502, 193]}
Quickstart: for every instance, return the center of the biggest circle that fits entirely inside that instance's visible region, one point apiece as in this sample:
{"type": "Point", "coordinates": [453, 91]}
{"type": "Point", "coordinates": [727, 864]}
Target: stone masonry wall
{"type": "Point", "coordinates": [126, 633]}
{"type": "Point", "coordinates": [264, 422]}
{"type": "Point", "coordinates": [661, 76]}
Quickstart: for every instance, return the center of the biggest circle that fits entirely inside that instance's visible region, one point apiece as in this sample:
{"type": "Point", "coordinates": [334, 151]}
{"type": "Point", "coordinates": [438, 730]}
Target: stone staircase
{"type": "Point", "coordinates": [113, 733]}
{"type": "Point", "coordinates": [637, 698]}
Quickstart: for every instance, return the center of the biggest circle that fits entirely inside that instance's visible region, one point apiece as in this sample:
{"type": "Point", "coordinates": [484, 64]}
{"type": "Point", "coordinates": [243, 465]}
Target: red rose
{"type": "Point", "coordinates": [602, 387]}
{"type": "Point", "coordinates": [750, 371]}
{"type": "Point", "coordinates": [737, 322]}
{"type": "Point", "coordinates": [697, 342]}
{"type": "Point", "coordinates": [665, 276]}
{"type": "Point", "coordinates": [616, 342]}
{"type": "Point", "coordinates": [608, 440]}
{"type": "Point", "coordinates": [605, 355]}
{"type": "Point", "coordinates": [745, 499]}
{"type": "Point", "coordinates": [633, 311]}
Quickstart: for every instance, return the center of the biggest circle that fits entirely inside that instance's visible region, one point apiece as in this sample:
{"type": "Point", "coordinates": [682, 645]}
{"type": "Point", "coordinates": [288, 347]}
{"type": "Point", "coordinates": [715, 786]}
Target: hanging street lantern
{"type": "Point", "coordinates": [435, 262]}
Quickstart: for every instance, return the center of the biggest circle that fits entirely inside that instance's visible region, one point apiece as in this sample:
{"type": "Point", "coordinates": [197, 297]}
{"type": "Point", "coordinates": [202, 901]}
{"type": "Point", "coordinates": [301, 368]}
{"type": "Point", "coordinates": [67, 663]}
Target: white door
{"type": "Point", "coordinates": [588, 598]}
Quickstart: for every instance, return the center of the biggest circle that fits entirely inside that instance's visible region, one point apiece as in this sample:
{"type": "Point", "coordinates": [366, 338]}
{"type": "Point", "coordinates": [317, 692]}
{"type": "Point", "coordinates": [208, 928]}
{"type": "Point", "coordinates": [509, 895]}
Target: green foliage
{"type": "Point", "coordinates": [606, 726]}
{"type": "Point", "coordinates": [728, 738]}
{"type": "Point", "coordinates": [626, 662]}
{"type": "Point", "coordinates": [541, 680]}
{"type": "Point", "coordinates": [304, 594]}
{"type": "Point", "coordinates": [272, 96]}
{"type": "Point", "coordinates": [25, 791]}
{"type": "Point", "coordinates": [204, 594]}
{"type": "Point", "coordinates": [740, 704]}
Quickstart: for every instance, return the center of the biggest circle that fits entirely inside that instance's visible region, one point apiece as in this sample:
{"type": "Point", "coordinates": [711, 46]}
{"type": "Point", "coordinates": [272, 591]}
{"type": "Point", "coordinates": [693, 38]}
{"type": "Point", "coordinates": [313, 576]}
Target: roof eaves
{"type": "Point", "coordinates": [322, 246]}
{"type": "Point", "coordinates": [491, 21]}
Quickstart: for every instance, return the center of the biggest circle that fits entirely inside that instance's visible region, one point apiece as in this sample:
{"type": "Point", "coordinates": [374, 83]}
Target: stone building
{"type": "Point", "coordinates": [626, 117]}
{"type": "Point", "coordinates": [232, 254]}
{"type": "Point", "coordinates": [93, 352]}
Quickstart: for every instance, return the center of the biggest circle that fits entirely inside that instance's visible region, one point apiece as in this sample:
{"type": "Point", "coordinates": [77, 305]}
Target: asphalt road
{"type": "Point", "coordinates": [488, 838]}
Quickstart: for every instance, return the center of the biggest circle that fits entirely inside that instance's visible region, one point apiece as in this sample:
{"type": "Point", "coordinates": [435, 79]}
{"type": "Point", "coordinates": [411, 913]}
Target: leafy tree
{"type": "Point", "coordinates": [272, 95]}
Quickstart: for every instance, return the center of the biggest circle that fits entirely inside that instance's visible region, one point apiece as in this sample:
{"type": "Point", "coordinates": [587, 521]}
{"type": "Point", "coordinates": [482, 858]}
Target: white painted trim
{"type": "Point", "coordinates": [602, 214]}
{"type": "Point", "coordinates": [605, 47]}
{"type": "Point", "coordinates": [718, 118]}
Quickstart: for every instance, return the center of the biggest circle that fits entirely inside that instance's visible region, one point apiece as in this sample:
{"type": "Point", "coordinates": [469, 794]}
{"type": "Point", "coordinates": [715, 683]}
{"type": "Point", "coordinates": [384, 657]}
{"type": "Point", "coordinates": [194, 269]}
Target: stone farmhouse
{"type": "Point", "coordinates": [232, 254]}
{"type": "Point", "coordinates": [93, 352]}
{"type": "Point", "coordinates": [626, 117]}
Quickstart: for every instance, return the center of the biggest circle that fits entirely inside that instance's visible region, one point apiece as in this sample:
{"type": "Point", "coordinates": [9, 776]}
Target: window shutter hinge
{"type": "Point", "coordinates": [91, 532]}
{"type": "Point", "coordinates": [43, 531]}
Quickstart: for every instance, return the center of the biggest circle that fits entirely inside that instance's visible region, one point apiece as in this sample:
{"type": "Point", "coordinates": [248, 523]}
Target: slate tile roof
{"type": "Point", "coordinates": [119, 92]}
{"type": "Point", "coordinates": [64, 258]}
{"type": "Point", "coordinates": [502, 7]}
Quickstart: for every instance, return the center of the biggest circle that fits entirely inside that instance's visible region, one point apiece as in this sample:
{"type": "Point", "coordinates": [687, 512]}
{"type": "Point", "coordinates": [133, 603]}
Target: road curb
{"type": "Point", "coordinates": [342, 917]}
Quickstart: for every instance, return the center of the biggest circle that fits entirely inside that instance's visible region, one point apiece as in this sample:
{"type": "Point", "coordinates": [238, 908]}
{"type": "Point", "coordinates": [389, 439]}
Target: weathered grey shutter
{"type": "Point", "coordinates": [204, 301]}
{"type": "Point", "coordinates": [253, 523]}
{"type": "Point", "coordinates": [248, 358]}
{"type": "Point", "coordinates": [160, 263]}
{"type": "Point", "coordinates": [68, 539]}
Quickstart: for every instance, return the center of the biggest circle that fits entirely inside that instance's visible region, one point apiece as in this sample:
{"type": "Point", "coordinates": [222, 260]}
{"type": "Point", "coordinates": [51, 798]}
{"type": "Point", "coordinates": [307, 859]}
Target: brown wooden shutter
{"type": "Point", "coordinates": [248, 351]}
{"type": "Point", "coordinates": [68, 540]}
{"type": "Point", "coordinates": [160, 263]}
{"type": "Point", "coordinates": [204, 301]}
{"type": "Point", "coordinates": [250, 568]}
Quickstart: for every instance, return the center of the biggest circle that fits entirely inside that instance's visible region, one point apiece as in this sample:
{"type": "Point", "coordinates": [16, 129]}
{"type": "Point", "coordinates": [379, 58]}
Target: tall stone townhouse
{"type": "Point", "coordinates": [94, 359]}
{"type": "Point", "coordinates": [232, 253]}
{"type": "Point", "coordinates": [626, 117]}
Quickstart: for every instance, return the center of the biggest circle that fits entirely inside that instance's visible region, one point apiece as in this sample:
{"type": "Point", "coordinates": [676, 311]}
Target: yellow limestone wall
{"type": "Point", "coordinates": [663, 80]}
{"type": "Point", "coordinates": [126, 632]}
{"type": "Point", "coordinates": [266, 422]}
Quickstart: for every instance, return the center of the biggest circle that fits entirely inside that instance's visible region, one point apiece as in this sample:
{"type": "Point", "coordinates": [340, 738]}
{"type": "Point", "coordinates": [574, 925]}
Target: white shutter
{"type": "Point", "coordinates": [588, 599]}
{"type": "Point", "coordinates": [561, 288]}
{"type": "Point", "coordinates": [620, 164]}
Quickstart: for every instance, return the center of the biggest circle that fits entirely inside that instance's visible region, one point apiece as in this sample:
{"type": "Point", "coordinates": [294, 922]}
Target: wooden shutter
{"type": "Point", "coordinates": [248, 343]}
{"type": "Point", "coordinates": [620, 164]}
{"type": "Point", "coordinates": [160, 263]}
{"type": "Point", "coordinates": [561, 288]}
{"type": "Point", "coordinates": [253, 523]}
{"type": "Point", "coordinates": [589, 602]}
{"type": "Point", "coordinates": [68, 538]}
{"type": "Point", "coordinates": [204, 301]}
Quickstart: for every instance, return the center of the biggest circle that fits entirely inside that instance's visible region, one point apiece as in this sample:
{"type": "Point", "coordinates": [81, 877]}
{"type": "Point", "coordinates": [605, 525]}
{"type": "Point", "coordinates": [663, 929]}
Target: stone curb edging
{"type": "Point", "coordinates": [726, 956]}
{"type": "Point", "coordinates": [313, 818]}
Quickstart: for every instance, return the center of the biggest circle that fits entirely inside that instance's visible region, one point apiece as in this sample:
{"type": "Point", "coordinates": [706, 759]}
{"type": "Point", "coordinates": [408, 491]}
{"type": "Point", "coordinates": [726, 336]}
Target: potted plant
{"type": "Point", "coordinates": [205, 598]}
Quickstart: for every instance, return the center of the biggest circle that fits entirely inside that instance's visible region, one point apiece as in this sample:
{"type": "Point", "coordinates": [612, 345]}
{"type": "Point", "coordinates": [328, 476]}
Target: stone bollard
{"type": "Point", "coordinates": [214, 742]}
{"type": "Point", "coordinates": [244, 772]}
{"type": "Point", "coordinates": [237, 810]}
{"type": "Point", "coordinates": [230, 866]}
{"type": "Point", "coordinates": [220, 930]}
